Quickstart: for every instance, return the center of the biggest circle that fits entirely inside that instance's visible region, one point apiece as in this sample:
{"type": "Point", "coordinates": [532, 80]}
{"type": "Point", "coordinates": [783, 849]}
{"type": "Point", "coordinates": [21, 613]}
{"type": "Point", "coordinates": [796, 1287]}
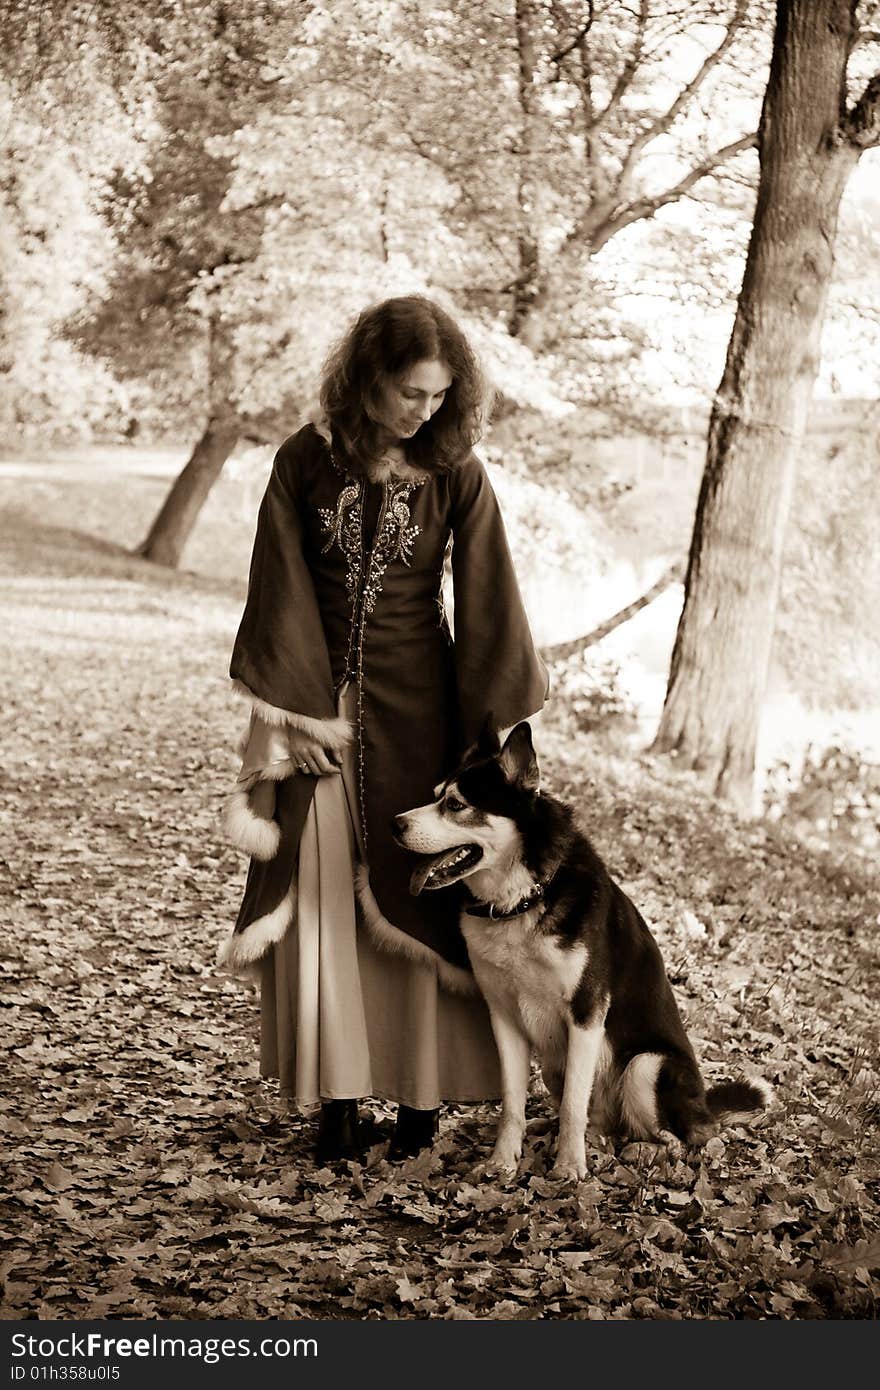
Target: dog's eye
{"type": "Point", "coordinates": [453, 804]}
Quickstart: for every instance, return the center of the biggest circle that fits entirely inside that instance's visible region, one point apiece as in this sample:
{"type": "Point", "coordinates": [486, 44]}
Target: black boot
{"type": "Point", "coordinates": [338, 1132]}
{"type": "Point", "coordinates": [414, 1130]}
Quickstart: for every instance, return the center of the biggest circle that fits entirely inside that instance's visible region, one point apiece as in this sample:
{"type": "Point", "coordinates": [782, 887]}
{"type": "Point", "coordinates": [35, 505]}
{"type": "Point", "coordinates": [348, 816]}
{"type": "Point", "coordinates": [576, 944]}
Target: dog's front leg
{"type": "Point", "coordinates": [514, 1051]}
{"type": "Point", "coordinates": [584, 1042]}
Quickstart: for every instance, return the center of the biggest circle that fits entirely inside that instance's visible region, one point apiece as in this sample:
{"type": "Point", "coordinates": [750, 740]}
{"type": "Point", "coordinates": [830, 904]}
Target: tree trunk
{"type": "Point", "coordinates": [721, 656]}
{"type": "Point", "coordinates": [526, 285]}
{"type": "Point", "coordinates": [179, 513]}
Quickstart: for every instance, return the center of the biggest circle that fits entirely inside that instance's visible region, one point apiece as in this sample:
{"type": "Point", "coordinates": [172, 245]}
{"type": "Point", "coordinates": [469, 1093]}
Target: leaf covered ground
{"type": "Point", "coordinates": [150, 1173]}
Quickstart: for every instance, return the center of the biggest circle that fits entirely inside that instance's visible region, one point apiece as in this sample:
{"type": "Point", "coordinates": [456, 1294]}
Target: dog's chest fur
{"type": "Point", "coordinates": [528, 972]}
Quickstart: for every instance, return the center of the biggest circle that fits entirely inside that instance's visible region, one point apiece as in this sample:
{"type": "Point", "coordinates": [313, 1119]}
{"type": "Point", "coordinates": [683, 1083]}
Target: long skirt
{"type": "Point", "coordinates": [341, 1018]}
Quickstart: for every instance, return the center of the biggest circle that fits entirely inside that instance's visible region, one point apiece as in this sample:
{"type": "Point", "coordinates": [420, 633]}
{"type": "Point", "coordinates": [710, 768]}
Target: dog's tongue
{"type": "Point", "coordinates": [429, 873]}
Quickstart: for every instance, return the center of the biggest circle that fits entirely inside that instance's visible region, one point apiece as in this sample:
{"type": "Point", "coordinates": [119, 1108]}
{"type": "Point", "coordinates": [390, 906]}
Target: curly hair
{"type": "Point", "coordinates": [384, 342]}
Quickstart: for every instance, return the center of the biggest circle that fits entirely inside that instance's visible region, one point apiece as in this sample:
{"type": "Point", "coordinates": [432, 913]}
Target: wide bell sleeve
{"type": "Point", "coordinates": [280, 654]}
{"type": "Point", "coordinates": [281, 667]}
{"type": "Point", "coordinates": [498, 669]}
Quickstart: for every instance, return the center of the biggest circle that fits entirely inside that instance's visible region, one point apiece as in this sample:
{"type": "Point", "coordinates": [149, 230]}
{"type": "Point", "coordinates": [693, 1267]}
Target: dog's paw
{"type": "Point", "coordinates": [568, 1172]}
{"type": "Point", "coordinates": [673, 1145]}
{"type": "Point", "coordinates": [570, 1166]}
{"type": "Point", "coordinates": [489, 1170]}
{"type": "Point", "coordinates": [504, 1160]}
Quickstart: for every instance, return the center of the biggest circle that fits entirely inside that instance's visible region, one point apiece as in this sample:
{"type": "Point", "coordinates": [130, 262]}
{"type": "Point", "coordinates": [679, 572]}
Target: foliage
{"type": "Point", "coordinates": [248, 175]}
{"type": "Point", "coordinates": [591, 696]}
{"type": "Point", "coordinates": [223, 234]}
{"type": "Point", "coordinates": [180, 275]}
{"type": "Point", "coordinates": [832, 797]}
{"type": "Point", "coordinates": [54, 253]}
{"type": "Point", "coordinates": [151, 1174]}
{"type": "Point", "coordinates": [559, 454]}
{"type": "Point", "coordinates": [826, 639]}
{"type": "Point", "coordinates": [438, 204]}
{"type": "Point", "coordinates": [63, 123]}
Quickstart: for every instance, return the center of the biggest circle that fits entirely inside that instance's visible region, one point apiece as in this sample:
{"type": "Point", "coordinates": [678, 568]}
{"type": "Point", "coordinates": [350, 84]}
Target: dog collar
{"type": "Point", "coordinates": [481, 909]}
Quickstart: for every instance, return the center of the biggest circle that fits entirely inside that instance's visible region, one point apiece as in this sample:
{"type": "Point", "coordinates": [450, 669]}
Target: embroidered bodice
{"type": "Point", "coordinates": [367, 557]}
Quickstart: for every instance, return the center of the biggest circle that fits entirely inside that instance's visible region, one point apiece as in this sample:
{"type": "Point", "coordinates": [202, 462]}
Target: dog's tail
{"type": "Point", "coordinates": [738, 1102]}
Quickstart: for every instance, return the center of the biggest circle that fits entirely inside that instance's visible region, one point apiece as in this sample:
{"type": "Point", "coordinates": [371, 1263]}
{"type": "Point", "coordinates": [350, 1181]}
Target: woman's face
{"type": "Point", "coordinates": [407, 401]}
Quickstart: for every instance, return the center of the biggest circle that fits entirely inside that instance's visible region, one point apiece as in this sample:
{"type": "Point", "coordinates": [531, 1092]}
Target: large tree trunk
{"type": "Point", "coordinates": [179, 513]}
{"type": "Point", "coordinates": [722, 649]}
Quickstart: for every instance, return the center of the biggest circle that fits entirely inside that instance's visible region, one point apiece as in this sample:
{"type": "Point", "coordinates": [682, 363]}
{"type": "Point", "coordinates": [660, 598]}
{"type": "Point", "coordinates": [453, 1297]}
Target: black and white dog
{"type": "Point", "coordinates": [567, 965]}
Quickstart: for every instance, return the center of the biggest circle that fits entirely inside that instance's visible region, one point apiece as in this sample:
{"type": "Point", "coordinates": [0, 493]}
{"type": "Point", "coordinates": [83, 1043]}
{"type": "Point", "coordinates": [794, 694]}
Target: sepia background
{"type": "Point", "coordinates": [195, 199]}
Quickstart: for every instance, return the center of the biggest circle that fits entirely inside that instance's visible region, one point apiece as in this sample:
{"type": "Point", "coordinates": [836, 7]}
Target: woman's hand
{"type": "Point", "coordinates": [310, 755]}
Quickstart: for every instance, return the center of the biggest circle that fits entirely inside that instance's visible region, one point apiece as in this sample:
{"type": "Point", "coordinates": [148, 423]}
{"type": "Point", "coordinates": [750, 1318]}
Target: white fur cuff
{"type": "Point", "coordinates": [240, 952]}
{"type": "Point", "coordinates": [333, 733]}
{"type": "Point", "coordinates": [253, 834]}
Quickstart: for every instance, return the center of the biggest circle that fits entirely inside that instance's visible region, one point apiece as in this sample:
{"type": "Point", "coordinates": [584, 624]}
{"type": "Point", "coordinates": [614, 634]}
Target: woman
{"type": "Point", "coordinates": [360, 704]}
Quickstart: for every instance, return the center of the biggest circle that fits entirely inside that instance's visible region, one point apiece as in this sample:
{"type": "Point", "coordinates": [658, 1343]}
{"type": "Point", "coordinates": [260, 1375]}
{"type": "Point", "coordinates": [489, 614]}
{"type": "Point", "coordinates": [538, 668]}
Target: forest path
{"type": "Point", "coordinates": [149, 1171]}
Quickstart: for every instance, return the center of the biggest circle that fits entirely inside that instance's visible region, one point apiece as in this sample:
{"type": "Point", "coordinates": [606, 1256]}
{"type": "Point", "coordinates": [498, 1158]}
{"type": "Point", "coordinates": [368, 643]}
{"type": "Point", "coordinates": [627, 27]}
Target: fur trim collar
{"type": "Point", "coordinates": [390, 938]}
{"type": "Point", "coordinates": [386, 469]}
{"type": "Point", "coordinates": [379, 472]}
{"type": "Point", "coordinates": [315, 417]}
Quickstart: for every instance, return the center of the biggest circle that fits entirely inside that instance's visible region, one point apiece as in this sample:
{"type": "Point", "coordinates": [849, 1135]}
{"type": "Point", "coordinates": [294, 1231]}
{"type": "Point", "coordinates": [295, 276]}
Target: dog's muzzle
{"type": "Point", "coordinates": [439, 870]}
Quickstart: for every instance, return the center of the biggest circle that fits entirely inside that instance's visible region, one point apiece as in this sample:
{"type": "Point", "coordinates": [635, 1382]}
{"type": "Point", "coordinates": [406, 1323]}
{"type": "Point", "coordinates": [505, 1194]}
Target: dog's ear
{"type": "Point", "coordinates": [518, 760]}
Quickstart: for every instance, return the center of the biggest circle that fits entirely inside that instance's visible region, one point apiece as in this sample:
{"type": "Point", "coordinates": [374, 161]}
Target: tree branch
{"type": "Point", "coordinates": [579, 37]}
{"type": "Point", "coordinates": [446, 158]}
{"type": "Point", "coordinates": [561, 650]}
{"type": "Point", "coordinates": [662, 123]}
{"type": "Point", "coordinates": [271, 200]}
{"type": "Point", "coordinates": [627, 72]}
{"type": "Point", "coordinates": [862, 124]}
{"type": "Point", "coordinates": [646, 207]}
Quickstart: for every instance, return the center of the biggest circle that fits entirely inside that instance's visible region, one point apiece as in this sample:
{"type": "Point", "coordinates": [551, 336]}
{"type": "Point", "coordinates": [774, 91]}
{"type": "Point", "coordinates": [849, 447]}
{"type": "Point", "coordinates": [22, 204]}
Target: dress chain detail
{"type": "Point", "coordinates": [394, 539]}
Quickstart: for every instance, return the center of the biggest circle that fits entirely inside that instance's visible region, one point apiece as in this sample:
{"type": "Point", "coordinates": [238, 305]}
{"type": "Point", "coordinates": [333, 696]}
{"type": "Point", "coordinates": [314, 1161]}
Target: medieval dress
{"type": "Point", "coordinates": [367, 990]}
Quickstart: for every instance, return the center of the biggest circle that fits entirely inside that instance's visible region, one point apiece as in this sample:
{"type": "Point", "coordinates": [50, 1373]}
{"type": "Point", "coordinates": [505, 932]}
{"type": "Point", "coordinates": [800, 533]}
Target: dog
{"type": "Point", "coordinates": [567, 965]}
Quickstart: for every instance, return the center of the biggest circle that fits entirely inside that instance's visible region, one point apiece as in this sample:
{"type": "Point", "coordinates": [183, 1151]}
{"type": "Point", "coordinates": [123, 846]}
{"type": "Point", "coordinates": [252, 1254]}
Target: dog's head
{"type": "Point", "coordinates": [475, 821]}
